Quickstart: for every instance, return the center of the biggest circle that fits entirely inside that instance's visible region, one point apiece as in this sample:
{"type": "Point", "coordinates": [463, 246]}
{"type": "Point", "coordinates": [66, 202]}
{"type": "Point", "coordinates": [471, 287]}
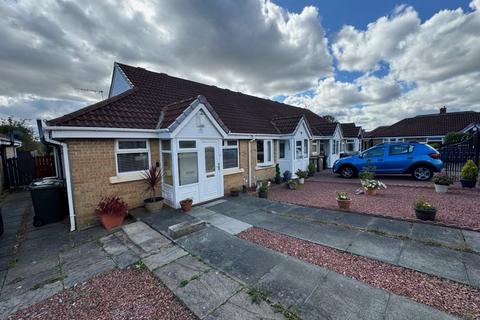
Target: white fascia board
{"type": "Point", "coordinates": [322, 137]}
{"type": "Point", "coordinates": [62, 132]}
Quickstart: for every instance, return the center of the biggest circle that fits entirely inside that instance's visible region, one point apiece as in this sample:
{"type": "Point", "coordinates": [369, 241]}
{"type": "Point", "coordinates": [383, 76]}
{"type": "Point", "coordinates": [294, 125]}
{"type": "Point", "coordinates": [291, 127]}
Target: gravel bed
{"type": "Point", "coordinates": [439, 293]}
{"type": "Point", "coordinates": [458, 207]}
{"type": "Point", "coordinates": [117, 294]}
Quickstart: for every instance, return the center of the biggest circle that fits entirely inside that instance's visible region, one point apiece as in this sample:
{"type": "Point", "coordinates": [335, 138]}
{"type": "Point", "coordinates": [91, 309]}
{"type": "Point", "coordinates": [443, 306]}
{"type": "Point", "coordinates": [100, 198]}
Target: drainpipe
{"type": "Point", "coordinates": [250, 161]}
{"type": "Point", "coordinates": [68, 178]}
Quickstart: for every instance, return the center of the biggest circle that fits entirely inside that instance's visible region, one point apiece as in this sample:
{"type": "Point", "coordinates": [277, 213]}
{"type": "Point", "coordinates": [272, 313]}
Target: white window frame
{"type": "Point", "coordinates": [169, 152]}
{"type": "Point", "coordinates": [284, 149]}
{"type": "Point", "coordinates": [187, 150]}
{"type": "Point", "coordinates": [237, 147]}
{"type": "Point", "coordinates": [315, 148]}
{"type": "Point", "coordinates": [126, 151]}
{"type": "Point", "coordinates": [265, 144]}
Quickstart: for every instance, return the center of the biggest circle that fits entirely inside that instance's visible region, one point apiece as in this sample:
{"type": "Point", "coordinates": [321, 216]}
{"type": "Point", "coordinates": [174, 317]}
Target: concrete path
{"type": "Point", "coordinates": [445, 252]}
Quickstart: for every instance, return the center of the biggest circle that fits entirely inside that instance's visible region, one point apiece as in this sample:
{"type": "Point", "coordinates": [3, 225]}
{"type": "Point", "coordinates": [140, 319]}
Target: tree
{"type": "Point", "coordinates": [20, 131]}
{"type": "Point", "coordinates": [329, 118]}
{"type": "Point", "coordinates": [455, 137]}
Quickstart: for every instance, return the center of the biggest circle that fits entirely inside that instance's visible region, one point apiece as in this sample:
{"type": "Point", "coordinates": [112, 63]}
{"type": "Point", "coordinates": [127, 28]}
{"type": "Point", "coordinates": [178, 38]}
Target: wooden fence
{"type": "Point", "coordinates": [23, 169]}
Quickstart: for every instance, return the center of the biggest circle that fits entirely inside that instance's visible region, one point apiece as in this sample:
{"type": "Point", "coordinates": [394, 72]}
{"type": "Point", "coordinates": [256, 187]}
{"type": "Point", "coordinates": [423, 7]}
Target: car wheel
{"type": "Point", "coordinates": [422, 173]}
{"type": "Point", "coordinates": [347, 172]}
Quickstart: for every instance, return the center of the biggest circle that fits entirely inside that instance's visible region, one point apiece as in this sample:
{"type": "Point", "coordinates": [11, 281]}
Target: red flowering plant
{"type": "Point", "coordinates": [112, 206]}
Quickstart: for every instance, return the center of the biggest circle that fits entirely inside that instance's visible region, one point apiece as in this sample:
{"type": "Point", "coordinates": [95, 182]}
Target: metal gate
{"type": "Point", "coordinates": [24, 168]}
{"type": "Point", "coordinates": [455, 155]}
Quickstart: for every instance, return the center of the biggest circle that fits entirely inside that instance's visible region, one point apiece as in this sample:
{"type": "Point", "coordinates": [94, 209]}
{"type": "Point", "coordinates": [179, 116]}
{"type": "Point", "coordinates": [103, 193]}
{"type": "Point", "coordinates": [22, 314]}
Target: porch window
{"type": "Point", "coordinates": [298, 149]}
{"type": "Point", "coordinates": [167, 162]}
{"type": "Point", "coordinates": [305, 149]}
{"type": "Point", "coordinates": [315, 147]}
{"type": "Point", "coordinates": [187, 167]}
{"type": "Point", "coordinates": [132, 156]}
{"type": "Point", "coordinates": [350, 144]}
{"type": "Point", "coordinates": [264, 152]}
{"type": "Point", "coordinates": [281, 149]}
{"type": "Point", "coordinates": [230, 154]}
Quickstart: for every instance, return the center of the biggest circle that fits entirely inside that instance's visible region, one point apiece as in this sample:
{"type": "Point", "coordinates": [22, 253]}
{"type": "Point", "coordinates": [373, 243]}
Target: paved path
{"type": "Point", "coordinates": [445, 252]}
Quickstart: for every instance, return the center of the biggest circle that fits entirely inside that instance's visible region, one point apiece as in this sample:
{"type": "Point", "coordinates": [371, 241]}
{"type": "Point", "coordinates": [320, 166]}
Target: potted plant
{"type": "Point", "coordinates": [372, 186]}
{"type": "Point", "coordinates": [234, 192]}
{"type": "Point", "coordinates": [263, 191]}
{"type": "Point", "coordinates": [311, 169]}
{"type": "Point", "coordinates": [186, 204]}
{"type": "Point", "coordinates": [152, 179]}
{"type": "Point", "coordinates": [343, 200]}
{"type": "Point", "coordinates": [278, 176]}
{"type": "Point", "coordinates": [469, 174]}
{"type": "Point", "coordinates": [301, 176]}
{"type": "Point", "coordinates": [287, 175]}
{"type": "Point", "coordinates": [292, 184]}
{"type": "Point", "coordinates": [111, 211]}
{"type": "Point", "coordinates": [441, 182]}
{"type": "Point", "coordinates": [424, 210]}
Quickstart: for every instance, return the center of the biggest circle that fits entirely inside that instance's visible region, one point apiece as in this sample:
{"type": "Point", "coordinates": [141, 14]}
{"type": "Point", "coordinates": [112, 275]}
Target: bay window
{"type": "Point", "coordinates": [230, 154]}
{"type": "Point", "coordinates": [264, 152]}
{"type": "Point", "coordinates": [132, 156]}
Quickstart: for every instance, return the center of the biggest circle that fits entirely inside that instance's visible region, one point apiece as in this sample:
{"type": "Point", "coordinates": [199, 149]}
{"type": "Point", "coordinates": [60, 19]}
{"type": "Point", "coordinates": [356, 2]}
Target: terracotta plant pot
{"type": "Point", "coordinates": [155, 205]}
{"type": "Point", "coordinates": [441, 188]}
{"type": "Point", "coordinates": [468, 183]}
{"type": "Point", "coordinates": [186, 205]}
{"type": "Point", "coordinates": [263, 195]}
{"type": "Point", "coordinates": [371, 192]}
{"type": "Point", "coordinates": [110, 221]}
{"type": "Point", "coordinates": [425, 214]}
{"type": "Point", "coordinates": [344, 204]}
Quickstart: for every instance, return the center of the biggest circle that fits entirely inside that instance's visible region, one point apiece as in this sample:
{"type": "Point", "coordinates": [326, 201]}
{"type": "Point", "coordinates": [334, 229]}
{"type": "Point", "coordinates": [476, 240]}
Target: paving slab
{"type": "Point", "coordinates": [207, 293]}
{"type": "Point", "coordinates": [333, 236]}
{"type": "Point", "coordinates": [390, 226]}
{"type": "Point", "coordinates": [82, 273]}
{"type": "Point", "coordinates": [200, 212]}
{"type": "Point", "coordinates": [376, 246]}
{"type": "Point", "coordinates": [183, 228]}
{"type": "Point", "coordinates": [214, 203]}
{"type": "Point", "coordinates": [472, 265]}
{"type": "Point", "coordinates": [241, 307]}
{"type": "Point", "coordinates": [125, 259]}
{"type": "Point", "coordinates": [437, 261]}
{"type": "Point", "coordinates": [292, 281]}
{"type": "Point", "coordinates": [339, 297]}
{"type": "Point", "coordinates": [406, 309]}
{"type": "Point", "coordinates": [166, 255]}
{"type": "Point", "coordinates": [280, 208]}
{"type": "Point", "coordinates": [447, 236]}
{"type": "Point", "coordinates": [234, 226]}
{"type": "Point", "coordinates": [355, 220]}
{"type": "Point", "coordinates": [472, 238]}
{"type": "Point", "coordinates": [185, 268]}
{"type": "Point", "coordinates": [167, 217]}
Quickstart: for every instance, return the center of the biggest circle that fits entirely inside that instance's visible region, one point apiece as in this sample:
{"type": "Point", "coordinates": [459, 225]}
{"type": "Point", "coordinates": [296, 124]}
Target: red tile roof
{"type": "Point", "coordinates": [158, 94]}
{"type": "Point", "coordinates": [428, 125]}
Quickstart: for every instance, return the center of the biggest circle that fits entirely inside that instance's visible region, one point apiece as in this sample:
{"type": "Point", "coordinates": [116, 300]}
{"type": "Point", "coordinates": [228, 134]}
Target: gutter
{"type": "Point", "coordinates": [66, 159]}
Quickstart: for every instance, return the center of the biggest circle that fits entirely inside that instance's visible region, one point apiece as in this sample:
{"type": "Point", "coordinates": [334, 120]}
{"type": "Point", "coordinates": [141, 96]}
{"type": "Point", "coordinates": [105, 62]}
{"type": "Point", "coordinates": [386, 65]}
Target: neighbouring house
{"type": "Point", "coordinates": [8, 150]}
{"type": "Point", "coordinates": [204, 138]}
{"type": "Point", "coordinates": [352, 138]}
{"type": "Point", "coordinates": [429, 128]}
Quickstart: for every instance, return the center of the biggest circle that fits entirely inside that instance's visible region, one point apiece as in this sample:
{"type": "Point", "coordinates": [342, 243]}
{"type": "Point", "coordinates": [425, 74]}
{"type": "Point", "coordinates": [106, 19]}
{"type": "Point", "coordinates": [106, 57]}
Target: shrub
{"type": "Point", "coordinates": [423, 204]}
{"type": "Point", "coordinates": [301, 173]}
{"type": "Point", "coordinates": [263, 188]}
{"type": "Point", "coordinates": [287, 175]}
{"type": "Point", "coordinates": [367, 174]}
{"type": "Point", "coordinates": [311, 167]}
{"type": "Point", "coordinates": [152, 179]}
{"type": "Point", "coordinates": [278, 177]}
{"type": "Point", "coordinates": [112, 205]}
{"type": "Point", "coordinates": [341, 195]}
{"type": "Point", "coordinates": [292, 184]}
{"type": "Point", "coordinates": [442, 179]}
{"type": "Point", "coordinates": [469, 171]}
{"type": "Point", "coordinates": [455, 137]}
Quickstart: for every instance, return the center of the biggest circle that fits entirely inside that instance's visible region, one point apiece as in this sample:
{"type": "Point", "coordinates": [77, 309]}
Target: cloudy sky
{"type": "Point", "coordinates": [372, 62]}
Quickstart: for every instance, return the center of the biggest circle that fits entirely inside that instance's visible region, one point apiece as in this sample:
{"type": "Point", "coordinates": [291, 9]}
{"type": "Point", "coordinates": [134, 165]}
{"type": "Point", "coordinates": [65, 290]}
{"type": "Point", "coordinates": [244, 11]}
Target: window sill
{"type": "Point", "coordinates": [267, 166]}
{"type": "Point", "coordinates": [127, 177]}
{"type": "Point", "coordinates": [230, 171]}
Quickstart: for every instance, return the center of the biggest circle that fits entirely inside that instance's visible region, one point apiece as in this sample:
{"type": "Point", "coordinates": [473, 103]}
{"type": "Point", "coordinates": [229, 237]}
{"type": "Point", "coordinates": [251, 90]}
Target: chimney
{"type": "Point", "coordinates": [443, 110]}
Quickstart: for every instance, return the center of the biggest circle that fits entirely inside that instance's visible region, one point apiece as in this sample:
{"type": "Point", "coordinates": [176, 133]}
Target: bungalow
{"type": "Point", "coordinates": [352, 137]}
{"type": "Point", "coordinates": [429, 128]}
{"type": "Point", "coordinates": [204, 138]}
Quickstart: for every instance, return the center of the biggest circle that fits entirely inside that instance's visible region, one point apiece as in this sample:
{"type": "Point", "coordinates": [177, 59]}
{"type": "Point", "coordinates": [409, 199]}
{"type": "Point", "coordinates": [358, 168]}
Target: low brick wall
{"type": "Point", "coordinates": [92, 163]}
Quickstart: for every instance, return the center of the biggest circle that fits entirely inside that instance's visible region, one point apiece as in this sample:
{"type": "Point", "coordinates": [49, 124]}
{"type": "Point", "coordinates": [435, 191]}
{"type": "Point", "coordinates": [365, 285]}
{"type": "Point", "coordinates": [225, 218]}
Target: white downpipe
{"type": "Point", "coordinates": [250, 161]}
{"type": "Point", "coordinates": [66, 160]}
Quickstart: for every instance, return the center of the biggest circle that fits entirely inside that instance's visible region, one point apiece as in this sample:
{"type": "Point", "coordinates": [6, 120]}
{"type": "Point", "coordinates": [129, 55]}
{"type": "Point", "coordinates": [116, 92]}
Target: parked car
{"type": "Point", "coordinates": [418, 159]}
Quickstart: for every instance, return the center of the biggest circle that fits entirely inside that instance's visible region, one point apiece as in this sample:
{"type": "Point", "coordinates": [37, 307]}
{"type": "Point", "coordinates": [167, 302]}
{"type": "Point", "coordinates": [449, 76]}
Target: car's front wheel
{"type": "Point", "coordinates": [422, 173]}
{"type": "Point", "coordinates": [347, 172]}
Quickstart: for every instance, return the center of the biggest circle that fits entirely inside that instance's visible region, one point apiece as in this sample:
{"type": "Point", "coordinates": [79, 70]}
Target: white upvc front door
{"type": "Point", "coordinates": [210, 164]}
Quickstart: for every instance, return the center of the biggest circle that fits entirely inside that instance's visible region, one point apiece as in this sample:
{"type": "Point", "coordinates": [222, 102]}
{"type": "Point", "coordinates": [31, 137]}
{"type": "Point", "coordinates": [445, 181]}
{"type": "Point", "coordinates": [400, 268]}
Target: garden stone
{"type": "Point", "coordinates": [183, 269]}
{"type": "Point", "coordinates": [166, 255]}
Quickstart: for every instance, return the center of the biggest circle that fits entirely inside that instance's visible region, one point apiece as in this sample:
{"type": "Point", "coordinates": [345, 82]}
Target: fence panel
{"type": "Point", "coordinates": [454, 156]}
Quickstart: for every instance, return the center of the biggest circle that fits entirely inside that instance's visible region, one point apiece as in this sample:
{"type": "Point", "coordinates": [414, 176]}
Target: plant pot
{"type": "Point", "coordinates": [153, 204]}
{"type": "Point", "coordinates": [441, 188]}
{"type": "Point", "coordinates": [186, 205]}
{"type": "Point", "coordinates": [425, 214]}
{"type": "Point", "coordinates": [234, 193]}
{"type": "Point", "coordinates": [344, 204]}
{"type": "Point", "coordinates": [263, 194]}
{"type": "Point", "coordinates": [301, 180]}
{"type": "Point", "coordinates": [468, 183]}
{"type": "Point", "coordinates": [371, 192]}
{"type": "Point", "coordinates": [110, 221]}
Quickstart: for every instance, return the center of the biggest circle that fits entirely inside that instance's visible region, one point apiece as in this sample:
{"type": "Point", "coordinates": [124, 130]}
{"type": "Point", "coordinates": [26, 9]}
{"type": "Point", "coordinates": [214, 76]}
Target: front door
{"type": "Point", "coordinates": [210, 181]}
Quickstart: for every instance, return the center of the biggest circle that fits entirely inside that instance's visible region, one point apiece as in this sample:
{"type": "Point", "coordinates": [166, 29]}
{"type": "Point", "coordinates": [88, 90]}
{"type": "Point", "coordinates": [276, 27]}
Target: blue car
{"type": "Point", "coordinates": [418, 159]}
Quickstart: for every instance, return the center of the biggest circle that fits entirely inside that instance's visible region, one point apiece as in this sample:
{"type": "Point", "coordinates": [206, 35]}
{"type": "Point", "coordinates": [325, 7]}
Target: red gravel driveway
{"type": "Point", "coordinates": [118, 294]}
{"type": "Point", "coordinates": [458, 207]}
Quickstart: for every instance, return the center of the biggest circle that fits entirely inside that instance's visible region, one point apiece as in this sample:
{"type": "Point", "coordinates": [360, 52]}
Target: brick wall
{"type": "Point", "coordinates": [92, 163]}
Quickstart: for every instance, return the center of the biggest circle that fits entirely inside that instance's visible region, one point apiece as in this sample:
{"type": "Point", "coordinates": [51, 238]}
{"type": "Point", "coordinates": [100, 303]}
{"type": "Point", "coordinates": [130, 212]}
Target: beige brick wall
{"type": "Point", "coordinates": [92, 163]}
